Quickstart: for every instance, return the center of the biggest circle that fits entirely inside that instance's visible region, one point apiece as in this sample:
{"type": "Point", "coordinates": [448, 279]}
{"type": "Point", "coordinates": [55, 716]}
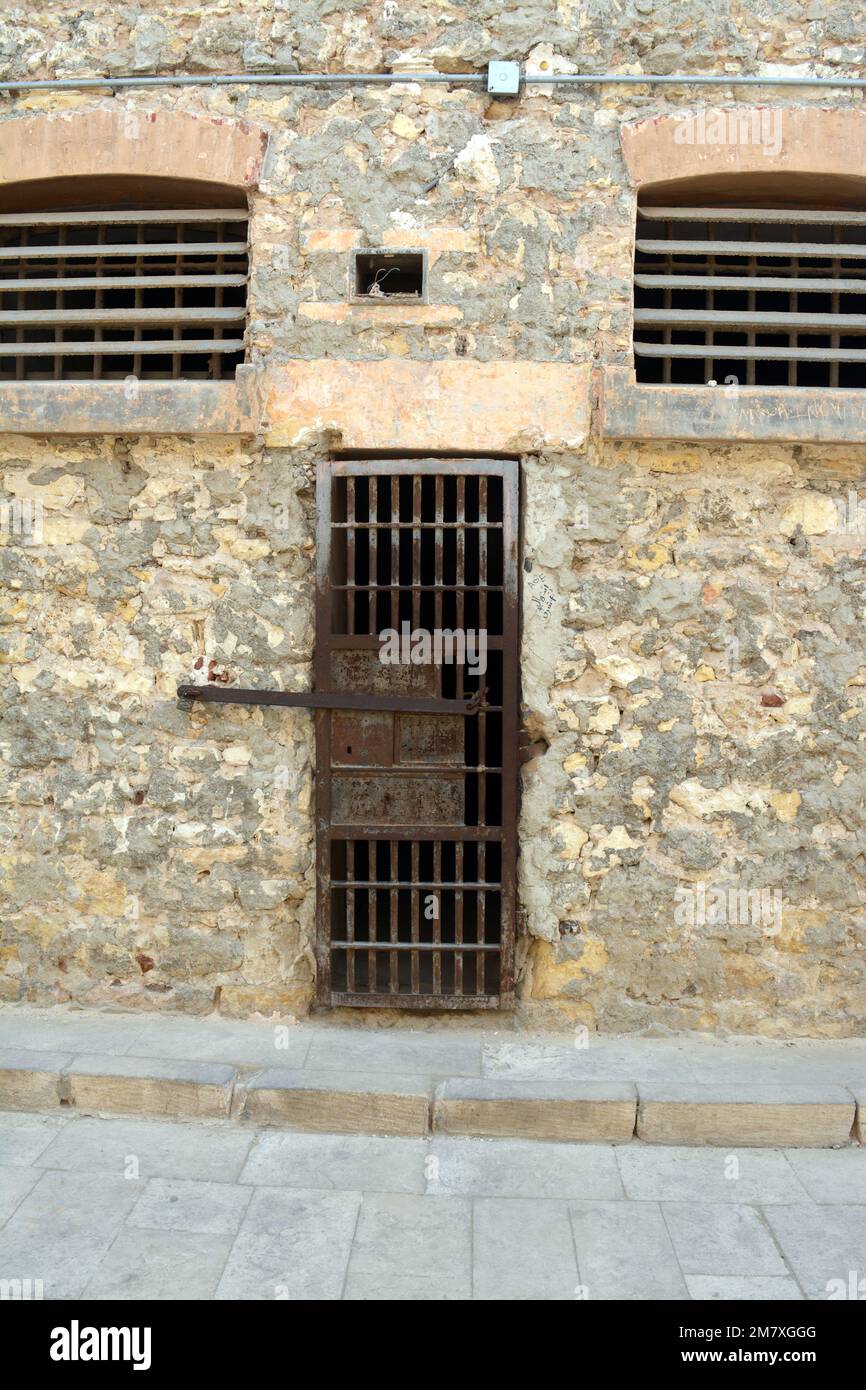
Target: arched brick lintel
{"type": "Point", "coordinates": [804, 140]}
{"type": "Point", "coordinates": [170, 144]}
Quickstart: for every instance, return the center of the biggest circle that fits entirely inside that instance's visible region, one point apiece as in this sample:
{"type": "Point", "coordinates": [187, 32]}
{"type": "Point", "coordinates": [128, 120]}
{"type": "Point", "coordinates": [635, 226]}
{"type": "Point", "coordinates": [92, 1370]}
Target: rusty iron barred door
{"type": "Point", "coordinates": [416, 787]}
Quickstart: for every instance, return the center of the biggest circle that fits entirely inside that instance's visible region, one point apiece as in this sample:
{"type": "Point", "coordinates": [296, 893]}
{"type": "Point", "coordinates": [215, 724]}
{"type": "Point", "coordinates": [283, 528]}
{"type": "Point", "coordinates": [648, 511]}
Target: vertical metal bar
{"type": "Point", "coordinates": [98, 304]}
{"type": "Point", "coordinates": [416, 552]}
{"type": "Point", "coordinates": [751, 364]}
{"type": "Point", "coordinates": [350, 555]}
{"type": "Point", "coordinates": [21, 303]}
{"type": "Point", "coordinates": [509, 721]}
{"type": "Point", "coordinates": [373, 576]}
{"type": "Point", "coordinates": [372, 925]}
{"type": "Point", "coordinates": [395, 552]}
{"type": "Point", "coordinates": [793, 269]}
{"type": "Point", "coordinates": [415, 982]}
{"type": "Point", "coordinates": [440, 488]}
{"type": "Point", "coordinates": [393, 977]}
{"type": "Point", "coordinates": [666, 335]}
{"type": "Point", "coordinates": [216, 363]}
{"type": "Point", "coordinates": [458, 918]}
{"type": "Point", "coordinates": [482, 551]}
{"type": "Point", "coordinates": [437, 920]}
{"type": "Point", "coordinates": [60, 270]}
{"type": "Point", "coordinates": [176, 358]}
{"type": "Point", "coordinates": [350, 916]}
{"type": "Point", "coordinates": [483, 579]}
{"type": "Point", "coordinates": [460, 541]}
{"type": "Point", "coordinates": [322, 677]}
{"type": "Point", "coordinates": [481, 918]}
{"type": "Point", "coordinates": [136, 331]}
{"type": "Point", "coordinates": [835, 272]}
{"type": "Point", "coordinates": [709, 362]}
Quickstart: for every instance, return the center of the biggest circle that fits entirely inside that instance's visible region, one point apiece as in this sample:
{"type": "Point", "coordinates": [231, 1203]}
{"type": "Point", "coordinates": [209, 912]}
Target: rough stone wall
{"type": "Point", "coordinates": [697, 583]}
{"type": "Point", "coordinates": [159, 858]}
{"type": "Point", "coordinates": [154, 855]}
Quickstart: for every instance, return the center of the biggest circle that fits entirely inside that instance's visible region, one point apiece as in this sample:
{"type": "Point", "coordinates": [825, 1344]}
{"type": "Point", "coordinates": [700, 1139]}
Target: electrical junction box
{"type": "Point", "coordinates": [503, 79]}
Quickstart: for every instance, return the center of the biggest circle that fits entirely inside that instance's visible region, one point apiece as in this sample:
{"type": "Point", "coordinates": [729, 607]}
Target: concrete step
{"type": "Point", "coordinates": [731, 1114]}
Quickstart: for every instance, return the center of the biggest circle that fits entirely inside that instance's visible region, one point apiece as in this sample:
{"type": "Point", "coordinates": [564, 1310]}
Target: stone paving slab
{"type": "Point", "coordinates": [522, 1249]}
{"type": "Point", "coordinates": [232, 1041]}
{"type": "Point", "coordinates": [823, 1245]}
{"type": "Point", "coordinates": [63, 1228]}
{"type": "Point", "coordinates": [292, 1245]}
{"type": "Point", "coordinates": [23, 1137]}
{"type": "Point", "coordinates": [149, 1148]}
{"type": "Point", "coordinates": [15, 1183]}
{"type": "Point", "coordinates": [159, 1265]}
{"type": "Point", "coordinates": [721, 1239]}
{"type": "Point", "coordinates": [522, 1168]}
{"type": "Point", "coordinates": [624, 1251]}
{"type": "Point", "coordinates": [670, 1174]}
{"type": "Point", "coordinates": [741, 1288]}
{"type": "Point", "coordinates": [411, 1248]}
{"type": "Point", "coordinates": [204, 1208]}
{"type": "Point", "coordinates": [137, 1209]}
{"type": "Point", "coordinates": [395, 1050]}
{"type": "Point", "coordinates": [362, 1162]}
{"type": "Point", "coordinates": [831, 1176]}
{"type": "Point", "coordinates": [632, 1060]}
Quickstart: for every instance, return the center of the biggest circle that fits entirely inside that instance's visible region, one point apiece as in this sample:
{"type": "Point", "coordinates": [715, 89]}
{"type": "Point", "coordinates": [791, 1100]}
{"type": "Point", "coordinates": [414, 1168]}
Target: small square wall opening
{"type": "Point", "coordinates": [389, 275]}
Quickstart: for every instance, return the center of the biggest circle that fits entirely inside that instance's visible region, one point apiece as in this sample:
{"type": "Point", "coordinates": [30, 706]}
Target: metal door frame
{"type": "Point", "coordinates": [506, 834]}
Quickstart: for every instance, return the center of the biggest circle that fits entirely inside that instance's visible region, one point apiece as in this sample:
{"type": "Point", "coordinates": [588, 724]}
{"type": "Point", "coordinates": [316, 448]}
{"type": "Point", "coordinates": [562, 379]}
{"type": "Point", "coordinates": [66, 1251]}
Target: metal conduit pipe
{"type": "Point", "coordinates": [328, 79]}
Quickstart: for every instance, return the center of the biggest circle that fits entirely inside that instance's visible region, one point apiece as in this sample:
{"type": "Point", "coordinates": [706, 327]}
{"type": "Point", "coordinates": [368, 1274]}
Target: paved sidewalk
{"type": "Point", "coordinates": [405, 1080]}
{"type": "Point", "coordinates": [151, 1209]}
{"type": "Point", "coordinates": [435, 1053]}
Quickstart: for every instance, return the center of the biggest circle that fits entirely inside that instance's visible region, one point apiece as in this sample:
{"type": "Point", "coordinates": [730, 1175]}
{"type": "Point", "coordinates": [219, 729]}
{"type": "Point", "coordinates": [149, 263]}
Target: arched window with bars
{"type": "Point", "coordinates": [102, 278]}
{"type": "Point", "coordinates": [757, 280]}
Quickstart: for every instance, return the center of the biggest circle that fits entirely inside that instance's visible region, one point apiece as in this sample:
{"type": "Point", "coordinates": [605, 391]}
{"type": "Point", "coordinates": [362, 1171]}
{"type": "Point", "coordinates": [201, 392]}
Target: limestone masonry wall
{"type": "Point", "coordinates": [692, 613]}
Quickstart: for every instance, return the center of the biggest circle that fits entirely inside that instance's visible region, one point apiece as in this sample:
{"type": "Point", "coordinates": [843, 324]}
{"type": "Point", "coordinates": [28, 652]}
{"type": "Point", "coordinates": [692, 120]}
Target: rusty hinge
{"type": "Point", "coordinates": [331, 699]}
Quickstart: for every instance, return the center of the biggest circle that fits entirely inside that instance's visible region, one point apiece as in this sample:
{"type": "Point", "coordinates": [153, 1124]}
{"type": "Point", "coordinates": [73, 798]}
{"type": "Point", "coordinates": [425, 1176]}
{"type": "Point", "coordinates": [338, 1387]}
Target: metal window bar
{"type": "Point", "coordinates": [151, 257]}
{"type": "Point", "coordinates": [746, 287]}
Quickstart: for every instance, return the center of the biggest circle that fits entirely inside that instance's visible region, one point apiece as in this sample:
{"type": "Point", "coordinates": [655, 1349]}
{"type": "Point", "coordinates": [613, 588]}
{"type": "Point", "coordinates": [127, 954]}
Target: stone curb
{"type": "Point", "coordinates": [135, 1085]}
{"type": "Point", "coordinates": [756, 1116]}
{"type": "Point", "coordinates": [580, 1111]}
{"type": "Point", "coordinates": [335, 1102]}
{"type": "Point", "coordinates": [491, 1107]}
{"type": "Point", "coordinates": [31, 1080]}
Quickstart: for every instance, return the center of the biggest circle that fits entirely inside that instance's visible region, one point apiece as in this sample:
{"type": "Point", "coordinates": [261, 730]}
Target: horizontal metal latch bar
{"type": "Point", "coordinates": [328, 699]}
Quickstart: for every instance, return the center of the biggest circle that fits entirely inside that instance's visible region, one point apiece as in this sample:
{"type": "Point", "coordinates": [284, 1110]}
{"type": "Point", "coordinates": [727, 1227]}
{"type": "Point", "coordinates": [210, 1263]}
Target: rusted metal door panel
{"type": "Point", "coordinates": [417, 810]}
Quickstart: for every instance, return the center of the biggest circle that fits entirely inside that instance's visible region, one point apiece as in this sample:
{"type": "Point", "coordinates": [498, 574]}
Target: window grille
{"type": "Point", "coordinates": [116, 292]}
{"type": "Point", "coordinates": [766, 296]}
